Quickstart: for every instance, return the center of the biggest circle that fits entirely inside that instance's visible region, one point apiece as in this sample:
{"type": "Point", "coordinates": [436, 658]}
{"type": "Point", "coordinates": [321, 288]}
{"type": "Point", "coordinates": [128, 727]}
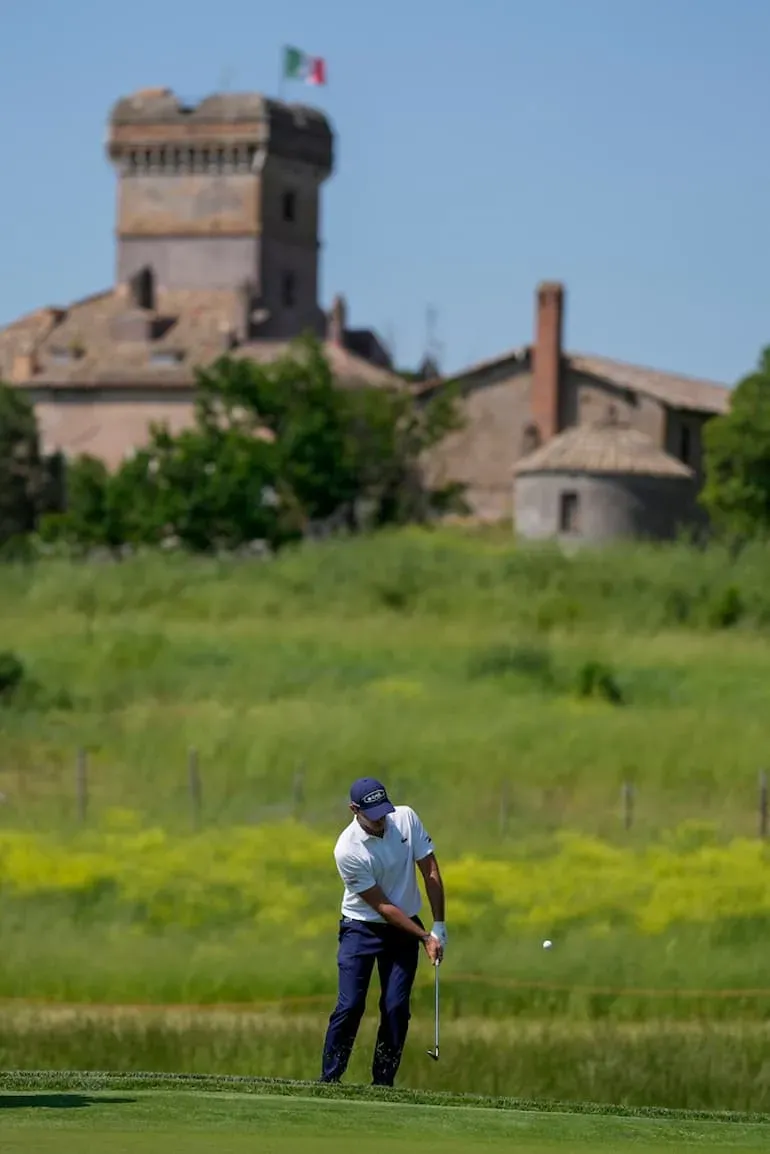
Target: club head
{"type": "Point", "coordinates": [433, 1054]}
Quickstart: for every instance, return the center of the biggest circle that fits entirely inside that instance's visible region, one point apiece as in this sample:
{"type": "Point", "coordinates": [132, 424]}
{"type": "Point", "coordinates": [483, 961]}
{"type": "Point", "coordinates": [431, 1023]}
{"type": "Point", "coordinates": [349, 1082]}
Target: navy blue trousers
{"type": "Point", "coordinates": [396, 953]}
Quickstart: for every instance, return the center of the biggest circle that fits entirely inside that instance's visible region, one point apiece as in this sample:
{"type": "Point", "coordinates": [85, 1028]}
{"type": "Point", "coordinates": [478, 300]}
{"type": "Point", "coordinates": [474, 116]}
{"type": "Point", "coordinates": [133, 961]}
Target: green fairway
{"type": "Point", "coordinates": [118, 1115]}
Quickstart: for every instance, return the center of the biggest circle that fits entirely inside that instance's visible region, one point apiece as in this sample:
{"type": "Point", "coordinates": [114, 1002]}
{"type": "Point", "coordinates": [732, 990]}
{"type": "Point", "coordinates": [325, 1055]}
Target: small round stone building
{"type": "Point", "coordinates": [601, 482]}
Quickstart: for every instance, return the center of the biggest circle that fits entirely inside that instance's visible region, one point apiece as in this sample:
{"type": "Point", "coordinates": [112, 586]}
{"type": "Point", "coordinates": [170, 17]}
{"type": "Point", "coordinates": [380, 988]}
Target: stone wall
{"type": "Point", "coordinates": [107, 423]}
{"type": "Point", "coordinates": [481, 455]}
{"type": "Point", "coordinates": [201, 262]}
{"type": "Point", "coordinates": [684, 438]}
{"type": "Point", "coordinates": [604, 507]}
{"type": "Point", "coordinates": [217, 229]}
{"type": "Point", "coordinates": [585, 399]}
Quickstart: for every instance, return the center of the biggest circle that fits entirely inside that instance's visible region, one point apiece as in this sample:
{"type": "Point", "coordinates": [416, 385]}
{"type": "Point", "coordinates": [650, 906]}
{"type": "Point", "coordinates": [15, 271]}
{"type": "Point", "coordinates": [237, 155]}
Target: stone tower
{"type": "Point", "coordinates": [223, 195]}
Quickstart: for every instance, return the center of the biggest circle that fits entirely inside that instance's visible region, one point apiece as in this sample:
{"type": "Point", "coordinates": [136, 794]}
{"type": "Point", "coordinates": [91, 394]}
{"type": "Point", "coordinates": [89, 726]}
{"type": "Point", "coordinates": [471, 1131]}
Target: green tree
{"type": "Point", "coordinates": [335, 448]}
{"type": "Point", "coordinates": [88, 514]}
{"type": "Point", "coordinates": [736, 492]}
{"type": "Point", "coordinates": [206, 487]}
{"type": "Point", "coordinates": [23, 477]}
{"type": "Point", "coordinates": [389, 432]}
{"type": "Point", "coordinates": [274, 448]}
{"type": "Point", "coordinates": [88, 518]}
{"type": "Point", "coordinates": [293, 404]}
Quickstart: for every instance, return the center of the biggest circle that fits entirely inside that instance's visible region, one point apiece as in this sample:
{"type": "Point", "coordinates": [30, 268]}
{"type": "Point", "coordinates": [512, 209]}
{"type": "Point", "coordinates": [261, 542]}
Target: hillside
{"type": "Point", "coordinates": [462, 669]}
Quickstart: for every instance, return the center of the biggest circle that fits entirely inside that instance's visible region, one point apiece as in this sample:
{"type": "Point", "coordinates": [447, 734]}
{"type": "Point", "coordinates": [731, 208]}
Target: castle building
{"type": "Point", "coordinates": [217, 252]}
{"type": "Point", "coordinates": [633, 468]}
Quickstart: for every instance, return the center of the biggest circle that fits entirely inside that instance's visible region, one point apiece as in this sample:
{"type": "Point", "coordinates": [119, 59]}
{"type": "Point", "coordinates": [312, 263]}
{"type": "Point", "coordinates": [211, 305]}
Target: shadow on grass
{"type": "Point", "coordinates": [57, 1101]}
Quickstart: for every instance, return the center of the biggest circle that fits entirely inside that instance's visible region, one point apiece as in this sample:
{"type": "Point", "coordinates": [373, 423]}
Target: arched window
{"type": "Point", "coordinates": [289, 205]}
{"type": "Point", "coordinates": [143, 289]}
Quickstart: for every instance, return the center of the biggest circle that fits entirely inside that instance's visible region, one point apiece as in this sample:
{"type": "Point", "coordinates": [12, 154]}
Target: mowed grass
{"type": "Point", "coordinates": [76, 1115]}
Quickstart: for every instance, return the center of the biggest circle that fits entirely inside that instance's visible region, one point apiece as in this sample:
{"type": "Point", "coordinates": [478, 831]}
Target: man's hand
{"type": "Point", "coordinates": [439, 931]}
{"type": "Point", "coordinates": [433, 949]}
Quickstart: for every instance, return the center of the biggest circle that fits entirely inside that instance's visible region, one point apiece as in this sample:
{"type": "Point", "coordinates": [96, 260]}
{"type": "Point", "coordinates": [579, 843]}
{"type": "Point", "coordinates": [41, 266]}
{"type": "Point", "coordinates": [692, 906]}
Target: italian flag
{"type": "Point", "coordinates": [297, 65]}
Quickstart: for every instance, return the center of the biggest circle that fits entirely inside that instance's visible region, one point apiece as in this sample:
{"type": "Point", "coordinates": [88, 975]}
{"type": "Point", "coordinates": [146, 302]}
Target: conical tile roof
{"type": "Point", "coordinates": [609, 447]}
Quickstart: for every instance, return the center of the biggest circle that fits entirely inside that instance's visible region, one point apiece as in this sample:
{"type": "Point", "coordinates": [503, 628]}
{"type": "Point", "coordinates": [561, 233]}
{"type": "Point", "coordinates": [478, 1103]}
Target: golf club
{"type": "Point", "coordinates": [434, 1052]}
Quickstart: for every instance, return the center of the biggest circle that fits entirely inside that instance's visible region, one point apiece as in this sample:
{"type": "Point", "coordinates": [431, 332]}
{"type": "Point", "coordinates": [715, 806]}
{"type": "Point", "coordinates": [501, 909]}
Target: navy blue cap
{"type": "Point", "coordinates": [371, 798]}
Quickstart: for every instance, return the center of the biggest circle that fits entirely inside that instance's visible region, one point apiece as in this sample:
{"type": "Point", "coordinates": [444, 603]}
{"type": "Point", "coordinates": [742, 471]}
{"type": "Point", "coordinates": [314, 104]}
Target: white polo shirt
{"type": "Point", "coordinates": [364, 860]}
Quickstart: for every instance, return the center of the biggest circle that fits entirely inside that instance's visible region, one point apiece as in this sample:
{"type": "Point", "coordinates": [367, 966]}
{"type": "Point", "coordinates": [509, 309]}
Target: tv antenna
{"type": "Point", "coordinates": [433, 346]}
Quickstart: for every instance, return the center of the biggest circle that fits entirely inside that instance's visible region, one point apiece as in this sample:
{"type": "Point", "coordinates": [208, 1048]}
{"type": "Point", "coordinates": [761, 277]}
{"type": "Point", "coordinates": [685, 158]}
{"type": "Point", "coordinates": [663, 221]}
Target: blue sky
{"type": "Point", "coordinates": [618, 145]}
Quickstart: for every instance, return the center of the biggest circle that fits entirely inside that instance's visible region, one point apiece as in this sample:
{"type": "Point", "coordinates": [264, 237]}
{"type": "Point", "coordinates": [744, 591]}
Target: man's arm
{"type": "Point", "coordinates": [395, 916]}
{"type": "Point", "coordinates": [434, 886]}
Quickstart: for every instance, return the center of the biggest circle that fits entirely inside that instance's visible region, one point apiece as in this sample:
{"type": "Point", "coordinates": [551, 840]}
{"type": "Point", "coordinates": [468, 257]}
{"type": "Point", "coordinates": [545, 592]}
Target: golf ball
{"type": "Point", "coordinates": [547, 944]}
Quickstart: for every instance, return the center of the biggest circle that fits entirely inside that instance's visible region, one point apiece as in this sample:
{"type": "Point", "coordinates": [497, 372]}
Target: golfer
{"type": "Point", "coordinates": [376, 856]}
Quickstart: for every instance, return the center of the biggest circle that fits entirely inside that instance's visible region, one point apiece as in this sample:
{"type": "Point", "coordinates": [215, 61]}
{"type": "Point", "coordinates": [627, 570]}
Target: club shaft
{"type": "Point", "coordinates": [436, 1008]}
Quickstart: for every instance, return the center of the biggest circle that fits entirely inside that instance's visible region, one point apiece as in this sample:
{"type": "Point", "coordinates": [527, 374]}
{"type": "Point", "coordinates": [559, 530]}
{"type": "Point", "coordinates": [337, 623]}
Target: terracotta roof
{"type": "Point", "coordinates": [516, 357]}
{"type": "Point", "coordinates": [348, 369]}
{"type": "Point", "coordinates": [671, 388]}
{"type": "Point", "coordinates": [88, 344]}
{"type": "Point", "coordinates": [602, 447]}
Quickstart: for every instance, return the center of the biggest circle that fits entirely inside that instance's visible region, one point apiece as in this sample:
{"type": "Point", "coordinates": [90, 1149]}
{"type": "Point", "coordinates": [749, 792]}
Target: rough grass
{"type": "Point", "coordinates": [686, 974]}
{"type": "Point", "coordinates": [505, 693]}
{"type": "Point", "coordinates": [528, 685]}
{"type": "Point", "coordinates": [695, 1066]}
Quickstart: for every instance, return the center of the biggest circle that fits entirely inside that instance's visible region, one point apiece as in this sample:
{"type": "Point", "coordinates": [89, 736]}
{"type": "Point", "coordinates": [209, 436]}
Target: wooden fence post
{"type": "Point", "coordinates": [763, 804]}
{"type": "Point", "coordinates": [194, 781]}
{"type": "Point", "coordinates": [628, 805]}
{"type": "Point", "coordinates": [298, 791]}
{"type": "Point", "coordinates": [81, 786]}
{"type": "Point", "coordinates": [504, 808]}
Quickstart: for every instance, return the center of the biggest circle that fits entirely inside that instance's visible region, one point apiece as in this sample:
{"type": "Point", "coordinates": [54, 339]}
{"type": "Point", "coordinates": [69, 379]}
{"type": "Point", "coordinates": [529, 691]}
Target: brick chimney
{"type": "Point", "coordinates": [547, 354]}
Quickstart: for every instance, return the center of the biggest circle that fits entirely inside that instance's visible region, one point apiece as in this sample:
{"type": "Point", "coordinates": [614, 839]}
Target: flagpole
{"type": "Point", "coordinates": [282, 74]}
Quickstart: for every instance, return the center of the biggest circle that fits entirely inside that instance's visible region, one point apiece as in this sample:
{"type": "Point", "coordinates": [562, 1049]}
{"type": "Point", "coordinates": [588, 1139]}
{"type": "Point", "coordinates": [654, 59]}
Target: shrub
{"type": "Point", "coordinates": [529, 661]}
{"type": "Point", "coordinates": [725, 609]}
{"type": "Point", "coordinates": [596, 680]}
{"type": "Point", "coordinates": [11, 674]}
{"type": "Point", "coordinates": [558, 612]}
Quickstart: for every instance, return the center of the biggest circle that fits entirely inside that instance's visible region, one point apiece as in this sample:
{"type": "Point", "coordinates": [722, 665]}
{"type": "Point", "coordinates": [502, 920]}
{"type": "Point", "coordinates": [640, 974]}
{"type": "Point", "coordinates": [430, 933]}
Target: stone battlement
{"type": "Point", "coordinates": [155, 120]}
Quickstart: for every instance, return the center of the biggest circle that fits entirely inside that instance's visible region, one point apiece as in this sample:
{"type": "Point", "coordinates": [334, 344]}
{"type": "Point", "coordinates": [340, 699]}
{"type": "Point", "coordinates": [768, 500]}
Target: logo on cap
{"type": "Point", "coordinates": [373, 797]}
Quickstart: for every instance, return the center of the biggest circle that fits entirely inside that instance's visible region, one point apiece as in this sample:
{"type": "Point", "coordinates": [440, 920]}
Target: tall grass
{"type": "Point", "coordinates": [246, 915]}
{"type": "Point", "coordinates": [528, 684]}
{"type": "Point", "coordinates": [696, 1067]}
{"type": "Point", "coordinates": [506, 693]}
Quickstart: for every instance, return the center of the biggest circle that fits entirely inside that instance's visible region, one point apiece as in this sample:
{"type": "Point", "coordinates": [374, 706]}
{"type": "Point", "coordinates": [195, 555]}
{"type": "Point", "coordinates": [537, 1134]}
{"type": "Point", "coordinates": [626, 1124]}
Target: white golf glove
{"type": "Point", "coordinates": [439, 932]}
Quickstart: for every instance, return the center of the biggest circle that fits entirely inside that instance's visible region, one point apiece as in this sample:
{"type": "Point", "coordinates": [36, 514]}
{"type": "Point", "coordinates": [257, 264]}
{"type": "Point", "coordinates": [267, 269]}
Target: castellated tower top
{"type": "Point", "coordinates": [155, 117]}
{"type": "Point", "coordinates": [223, 194]}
